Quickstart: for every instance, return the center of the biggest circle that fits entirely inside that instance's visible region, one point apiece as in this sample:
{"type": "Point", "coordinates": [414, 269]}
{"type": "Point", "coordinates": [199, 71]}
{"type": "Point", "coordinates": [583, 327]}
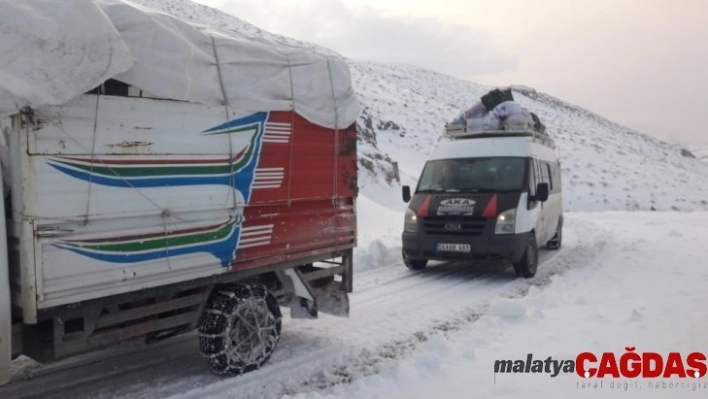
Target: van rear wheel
{"type": "Point", "coordinates": [414, 264]}
{"type": "Point", "coordinates": [528, 264]}
{"type": "Point", "coordinates": [555, 242]}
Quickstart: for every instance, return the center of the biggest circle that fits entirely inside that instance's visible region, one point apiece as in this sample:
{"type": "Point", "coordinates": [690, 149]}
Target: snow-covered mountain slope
{"type": "Point", "coordinates": [199, 14]}
{"type": "Point", "coordinates": [699, 152]}
{"type": "Point", "coordinates": [605, 166]}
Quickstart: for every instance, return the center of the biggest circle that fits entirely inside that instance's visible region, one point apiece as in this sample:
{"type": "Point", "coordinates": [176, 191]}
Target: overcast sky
{"type": "Point", "coordinates": [641, 63]}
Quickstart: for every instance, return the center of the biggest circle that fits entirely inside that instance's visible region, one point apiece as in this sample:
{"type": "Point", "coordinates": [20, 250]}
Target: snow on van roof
{"type": "Point", "coordinates": [49, 56]}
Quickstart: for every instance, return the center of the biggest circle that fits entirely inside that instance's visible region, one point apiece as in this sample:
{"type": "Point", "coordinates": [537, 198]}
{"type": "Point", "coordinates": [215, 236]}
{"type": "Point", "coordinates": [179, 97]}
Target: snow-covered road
{"type": "Point", "coordinates": [399, 317]}
{"type": "Point", "coordinates": [644, 288]}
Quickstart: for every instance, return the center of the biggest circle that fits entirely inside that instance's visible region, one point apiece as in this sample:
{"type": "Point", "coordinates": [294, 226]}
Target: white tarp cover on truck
{"type": "Point", "coordinates": [54, 50]}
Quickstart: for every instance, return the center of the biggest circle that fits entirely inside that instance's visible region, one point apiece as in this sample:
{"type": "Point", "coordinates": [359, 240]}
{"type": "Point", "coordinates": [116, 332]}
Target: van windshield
{"type": "Point", "coordinates": [473, 175]}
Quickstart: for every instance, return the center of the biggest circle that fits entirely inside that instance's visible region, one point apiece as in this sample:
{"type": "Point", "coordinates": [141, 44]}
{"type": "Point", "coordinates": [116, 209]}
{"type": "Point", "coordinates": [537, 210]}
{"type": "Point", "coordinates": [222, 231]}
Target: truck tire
{"type": "Point", "coordinates": [554, 243]}
{"type": "Point", "coordinates": [240, 328]}
{"type": "Point", "coordinates": [414, 264]}
{"type": "Point", "coordinates": [528, 264]}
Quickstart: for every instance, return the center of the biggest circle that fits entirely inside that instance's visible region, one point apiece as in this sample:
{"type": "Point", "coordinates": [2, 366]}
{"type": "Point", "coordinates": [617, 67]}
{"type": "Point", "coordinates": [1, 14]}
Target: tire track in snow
{"type": "Point", "coordinates": [370, 361]}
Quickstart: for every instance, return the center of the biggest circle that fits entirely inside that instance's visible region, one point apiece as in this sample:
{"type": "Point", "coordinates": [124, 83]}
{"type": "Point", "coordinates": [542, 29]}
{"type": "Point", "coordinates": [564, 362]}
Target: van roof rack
{"type": "Point", "coordinates": [459, 133]}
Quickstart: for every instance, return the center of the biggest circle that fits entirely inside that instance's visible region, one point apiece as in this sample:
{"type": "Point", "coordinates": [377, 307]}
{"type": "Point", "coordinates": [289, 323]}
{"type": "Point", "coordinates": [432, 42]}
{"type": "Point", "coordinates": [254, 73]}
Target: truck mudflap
{"type": "Point", "coordinates": [334, 303]}
{"type": "Point", "coordinates": [319, 288]}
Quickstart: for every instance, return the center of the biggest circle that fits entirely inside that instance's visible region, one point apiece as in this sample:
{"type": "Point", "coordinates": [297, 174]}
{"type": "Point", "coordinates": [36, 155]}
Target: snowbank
{"type": "Point", "coordinates": [379, 229]}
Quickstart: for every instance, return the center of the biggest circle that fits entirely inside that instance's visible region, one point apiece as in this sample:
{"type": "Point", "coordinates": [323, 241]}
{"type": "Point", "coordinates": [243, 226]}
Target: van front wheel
{"type": "Point", "coordinates": [413, 264]}
{"type": "Point", "coordinates": [528, 264]}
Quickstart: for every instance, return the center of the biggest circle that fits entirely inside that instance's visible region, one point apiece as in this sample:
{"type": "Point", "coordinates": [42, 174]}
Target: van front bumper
{"type": "Point", "coordinates": [510, 247]}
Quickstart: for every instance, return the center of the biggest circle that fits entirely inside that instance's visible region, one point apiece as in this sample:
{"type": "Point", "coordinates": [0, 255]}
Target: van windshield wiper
{"type": "Point", "coordinates": [432, 190]}
{"type": "Point", "coordinates": [486, 190]}
{"type": "Point", "coordinates": [477, 190]}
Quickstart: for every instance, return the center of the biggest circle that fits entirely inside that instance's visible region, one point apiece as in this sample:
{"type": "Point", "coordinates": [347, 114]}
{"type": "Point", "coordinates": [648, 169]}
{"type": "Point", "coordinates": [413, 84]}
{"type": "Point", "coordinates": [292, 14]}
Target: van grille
{"type": "Point", "coordinates": [468, 226]}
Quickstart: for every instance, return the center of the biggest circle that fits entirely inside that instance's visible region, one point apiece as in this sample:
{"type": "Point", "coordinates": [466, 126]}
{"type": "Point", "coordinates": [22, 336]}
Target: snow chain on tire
{"type": "Point", "coordinates": [240, 328]}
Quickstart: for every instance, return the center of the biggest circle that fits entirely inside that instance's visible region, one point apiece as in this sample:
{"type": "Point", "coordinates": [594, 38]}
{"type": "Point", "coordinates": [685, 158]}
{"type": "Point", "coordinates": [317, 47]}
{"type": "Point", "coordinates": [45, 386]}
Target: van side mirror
{"type": "Point", "coordinates": [406, 193]}
{"type": "Point", "coordinates": [542, 192]}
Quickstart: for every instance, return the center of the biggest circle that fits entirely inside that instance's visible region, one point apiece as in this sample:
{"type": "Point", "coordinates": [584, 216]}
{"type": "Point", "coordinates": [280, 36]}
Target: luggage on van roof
{"type": "Point", "coordinates": [496, 97]}
{"type": "Point", "coordinates": [496, 112]}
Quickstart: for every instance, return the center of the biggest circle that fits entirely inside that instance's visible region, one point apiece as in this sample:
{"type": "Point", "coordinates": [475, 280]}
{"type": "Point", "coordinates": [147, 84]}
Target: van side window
{"type": "Point", "coordinates": [547, 175]}
{"type": "Point", "coordinates": [532, 178]}
{"type": "Point", "coordinates": [537, 168]}
{"type": "Point", "coordinates": [555, 177]}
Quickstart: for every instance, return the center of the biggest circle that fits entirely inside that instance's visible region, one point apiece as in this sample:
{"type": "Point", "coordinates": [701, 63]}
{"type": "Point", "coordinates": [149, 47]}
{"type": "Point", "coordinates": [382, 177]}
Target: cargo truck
{"type": "Point", "coordinates": [141, 209]}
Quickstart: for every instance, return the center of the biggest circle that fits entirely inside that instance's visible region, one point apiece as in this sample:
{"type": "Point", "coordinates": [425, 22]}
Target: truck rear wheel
{"type": "Point", "coordinates": [240, 328]}
{"type": "Point", "coordinates": [528, 264]}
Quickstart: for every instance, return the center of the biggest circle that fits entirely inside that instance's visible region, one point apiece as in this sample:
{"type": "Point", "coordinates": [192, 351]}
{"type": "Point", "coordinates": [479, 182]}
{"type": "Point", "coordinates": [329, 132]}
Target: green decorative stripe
{"type": "Point", "coordinates": [220, 241]}
{"type": "Point", "coordinates": [163, 242]}
{"type": "Point", "coordinates": [161, 171]}
{"type": "Point", "coordinates": [141, 171]}
{"type": "Point", "coordinates": [236, 130]}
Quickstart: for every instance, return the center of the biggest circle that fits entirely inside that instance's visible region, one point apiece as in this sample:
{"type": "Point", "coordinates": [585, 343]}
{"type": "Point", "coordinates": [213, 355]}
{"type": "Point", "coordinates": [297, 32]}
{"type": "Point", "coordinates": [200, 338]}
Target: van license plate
{"type": "Point", "coordinates": [454, 248]}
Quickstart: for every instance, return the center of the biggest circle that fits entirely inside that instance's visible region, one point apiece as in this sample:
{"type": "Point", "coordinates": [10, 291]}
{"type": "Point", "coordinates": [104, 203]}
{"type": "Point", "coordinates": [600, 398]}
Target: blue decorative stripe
{"type": "Point", "coordinates": [145, 182]}
{"type": "Point", "coordinates": [259, 118]}
{"type": "Point", "coordinates": [241, 180]}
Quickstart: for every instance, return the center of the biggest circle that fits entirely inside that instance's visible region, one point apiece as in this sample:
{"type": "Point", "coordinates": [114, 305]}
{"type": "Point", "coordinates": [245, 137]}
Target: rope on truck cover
{"type": "Point", "coordinates": [292, 132]}
{"type": "Point", "coordinates": [93, 154]}
{"type": "Point", "coordinates": [227, 105]}
{"type": "Point", "coordinates": [335, 199]}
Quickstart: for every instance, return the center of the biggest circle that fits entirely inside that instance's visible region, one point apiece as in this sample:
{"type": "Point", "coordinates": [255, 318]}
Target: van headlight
{"type": "Point", "coordinates": [411, 222]}
{"type": "Point", "coordinates": [506, 222]}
